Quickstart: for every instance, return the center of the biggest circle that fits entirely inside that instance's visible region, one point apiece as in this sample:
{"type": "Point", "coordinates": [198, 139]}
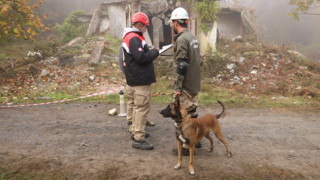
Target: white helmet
{"type": "Point", "coordinates": [179, 13]}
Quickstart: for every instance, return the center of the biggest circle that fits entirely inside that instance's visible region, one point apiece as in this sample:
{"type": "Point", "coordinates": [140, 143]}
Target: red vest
{"type": "Point", "coordinates": [127, 39]}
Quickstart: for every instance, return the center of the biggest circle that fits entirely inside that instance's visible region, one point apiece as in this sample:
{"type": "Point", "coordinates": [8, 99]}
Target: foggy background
{"type": "Point", "coordinates": [274, 25]}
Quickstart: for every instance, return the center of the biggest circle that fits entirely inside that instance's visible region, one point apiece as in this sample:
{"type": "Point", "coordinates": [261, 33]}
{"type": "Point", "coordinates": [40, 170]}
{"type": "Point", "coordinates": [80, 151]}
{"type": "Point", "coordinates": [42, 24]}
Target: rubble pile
{"type": "Point", "coordinates": [242, 66]}
{"type": "Point", "coordinates": [45, 77]}
{"type": "Point", "coordinates": [254, 68]}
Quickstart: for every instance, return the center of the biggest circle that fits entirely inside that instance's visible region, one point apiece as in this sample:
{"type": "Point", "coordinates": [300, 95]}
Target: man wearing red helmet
{"type": "Point", "coordinates": [139, 72]}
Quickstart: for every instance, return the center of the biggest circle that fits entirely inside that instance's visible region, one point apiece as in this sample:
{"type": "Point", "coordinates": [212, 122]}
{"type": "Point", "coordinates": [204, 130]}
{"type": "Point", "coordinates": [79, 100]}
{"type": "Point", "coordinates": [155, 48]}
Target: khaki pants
{"type": "Point", "coordinates": [138, 106]}
{"type": "Point", "coordinates": [189, 100]}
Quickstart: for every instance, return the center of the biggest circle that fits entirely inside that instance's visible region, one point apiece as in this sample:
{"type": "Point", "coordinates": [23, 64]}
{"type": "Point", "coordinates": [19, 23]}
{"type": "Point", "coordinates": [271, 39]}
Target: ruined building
{"type": "Point", "coordinates": [113, 16]}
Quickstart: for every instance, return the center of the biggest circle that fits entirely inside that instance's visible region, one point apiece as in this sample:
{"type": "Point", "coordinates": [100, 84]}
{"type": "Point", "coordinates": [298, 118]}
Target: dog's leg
{"type": "Point", "coordinates": [179, 148]}
{"type": "Point", "coordinates": [191, 170]}
{"type": "Point", "coordinates": [223, 140]}
{"type": "Point", "coordinates": [211, 142]}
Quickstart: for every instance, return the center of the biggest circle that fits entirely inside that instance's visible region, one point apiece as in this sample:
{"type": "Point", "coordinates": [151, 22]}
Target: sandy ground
{"type": "Point", "coordinates": [80, 141]}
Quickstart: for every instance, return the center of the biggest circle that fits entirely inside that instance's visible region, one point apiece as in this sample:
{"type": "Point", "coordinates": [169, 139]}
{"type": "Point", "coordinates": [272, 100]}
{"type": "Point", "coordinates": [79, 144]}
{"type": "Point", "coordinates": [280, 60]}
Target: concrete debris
{"type": "Point", "coordinates": [237, 38]}
{"type": "Point", "coordinates": [112, 112]}
{"type": "Point", "coordinates": [254, 71]}
{"type": "Point", "coordinates": [44, 72]}
{"type": "Point", "coordinates": [96, 53]}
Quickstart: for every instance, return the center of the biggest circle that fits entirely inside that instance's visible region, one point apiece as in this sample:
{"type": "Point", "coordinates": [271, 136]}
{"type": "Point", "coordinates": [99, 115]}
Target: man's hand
{"type": "Point", "coordinates": [177, 93]}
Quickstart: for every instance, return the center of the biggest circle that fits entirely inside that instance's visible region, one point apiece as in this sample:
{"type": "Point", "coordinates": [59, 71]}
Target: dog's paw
{"type": "Point", "coordinates": [192, 172]}
{"type": "Point", "coordinates": [176, 167]}
{"type": "Point", "coordinates": [229, 154]}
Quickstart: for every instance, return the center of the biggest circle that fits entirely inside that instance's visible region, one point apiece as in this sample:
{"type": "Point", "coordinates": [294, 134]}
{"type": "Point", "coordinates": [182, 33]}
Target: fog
{"type": "Point", "coordinates": [275, 26]}
{"type": "Point", "coordinates": [58, 10]}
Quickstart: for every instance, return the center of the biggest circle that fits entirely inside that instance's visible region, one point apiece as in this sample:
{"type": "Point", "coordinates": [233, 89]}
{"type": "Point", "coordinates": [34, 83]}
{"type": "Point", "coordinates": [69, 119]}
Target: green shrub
{"type": "Point", "coordinates": [47, 48]}
{"type": "Point", "coordinates": [71, 27]}
{"type": "Point", "coordinates": [113, 44]}
{"type": "Point", "coordinates": [2, 57]}
{"type": "Point", "coordinates": [213, 65]}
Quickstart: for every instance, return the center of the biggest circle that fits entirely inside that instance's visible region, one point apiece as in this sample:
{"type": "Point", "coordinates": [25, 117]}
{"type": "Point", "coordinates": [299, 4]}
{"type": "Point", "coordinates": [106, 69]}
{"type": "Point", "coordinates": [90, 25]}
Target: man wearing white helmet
{"type": "Point", "coordinates": [187, 58]}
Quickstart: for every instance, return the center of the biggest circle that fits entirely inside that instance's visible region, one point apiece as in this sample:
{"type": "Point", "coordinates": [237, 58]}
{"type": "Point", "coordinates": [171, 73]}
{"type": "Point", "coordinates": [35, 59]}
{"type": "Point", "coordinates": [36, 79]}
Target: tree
{"type": "Point", "coordinates": [309, 7]}
{"type": "Point", "coordinates": [18, 20]}
{"type": "Point", "coordinates": [207, 9]}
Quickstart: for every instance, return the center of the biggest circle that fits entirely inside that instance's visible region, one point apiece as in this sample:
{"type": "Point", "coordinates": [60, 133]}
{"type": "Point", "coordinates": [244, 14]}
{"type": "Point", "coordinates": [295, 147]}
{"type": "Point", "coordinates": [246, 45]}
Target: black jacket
{"type": "Point", "coordinates": [138, 61]}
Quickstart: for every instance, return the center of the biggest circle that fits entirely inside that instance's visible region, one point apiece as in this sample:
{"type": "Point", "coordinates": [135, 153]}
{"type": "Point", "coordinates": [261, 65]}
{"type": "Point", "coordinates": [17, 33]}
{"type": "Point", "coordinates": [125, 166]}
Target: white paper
{"type": "Point", "coordinates": [164, 48]}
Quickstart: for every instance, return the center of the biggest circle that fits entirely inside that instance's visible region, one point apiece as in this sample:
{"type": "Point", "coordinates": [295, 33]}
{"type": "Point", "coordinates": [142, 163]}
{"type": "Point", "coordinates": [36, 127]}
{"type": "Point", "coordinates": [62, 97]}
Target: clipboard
{"type": "Point", "coordinates": [165, 48]}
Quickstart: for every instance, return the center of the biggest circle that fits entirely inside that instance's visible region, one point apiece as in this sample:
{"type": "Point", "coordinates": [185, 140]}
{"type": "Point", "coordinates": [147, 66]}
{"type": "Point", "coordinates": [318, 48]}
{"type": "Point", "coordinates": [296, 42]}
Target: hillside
{"type": "Point", "coordinates": [241, 66]}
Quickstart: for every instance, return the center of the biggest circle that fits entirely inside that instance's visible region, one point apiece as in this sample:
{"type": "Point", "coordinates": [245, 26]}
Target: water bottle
{"type": "Point", "coordinates": [122, 105]}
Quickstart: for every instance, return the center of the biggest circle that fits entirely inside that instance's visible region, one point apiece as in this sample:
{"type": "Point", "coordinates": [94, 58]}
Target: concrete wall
{"type": "Point", "coordinates": [207, 40]}
{"type": "Point", "coordinates": [117, 18]}
{"type": "Point", "coordinates": [230, 25]}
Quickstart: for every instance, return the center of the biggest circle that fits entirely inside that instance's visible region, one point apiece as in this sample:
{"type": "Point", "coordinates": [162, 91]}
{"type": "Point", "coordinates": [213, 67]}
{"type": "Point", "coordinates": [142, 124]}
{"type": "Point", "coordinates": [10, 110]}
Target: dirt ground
{"type": "Point", "coordinates": [80, 141]}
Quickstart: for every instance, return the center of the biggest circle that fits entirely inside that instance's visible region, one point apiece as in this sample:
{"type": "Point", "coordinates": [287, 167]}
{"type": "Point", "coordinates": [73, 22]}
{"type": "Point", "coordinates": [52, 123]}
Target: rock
{"type": "Point", "coordinates": [81, 59]}
{"type": "Point", "coordinates": [237, 38]}
{"type": "Point", "coordinates": [91, 78]}
{"type": "Point", "coordinates": [96, 52]}
{"type": "Point", "coordinates": [241, 59]}
{"type": "Point", "coordinates": [236, 80]}
{"type": "Point", "coordinates": [105, 24]}
{"type": "Point", "coordinates": [94, 22]}
{"type": "Point", "coordinates": [4, 66]}
{"type": "Point", "coordinates": [66, 60]}
{"type": "Point", "coordinates": [231, 67]}
{"type": "Point", "coordinates": [44, 72]}
{"type": "Point", "coordinates": [112, 112]}
{"type": "Point", "coordinates": [33, 69]}
{"type": "Point", "coordinates": [255, 71]}
{"type": "Point", "coordinates": [76, 42]}
{"type": "Point", "coordinates": [34, 54]}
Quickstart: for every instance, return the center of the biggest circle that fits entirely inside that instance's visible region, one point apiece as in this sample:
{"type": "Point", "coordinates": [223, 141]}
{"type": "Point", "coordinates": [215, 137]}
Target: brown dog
{"type": "Point", "coordinates": [189, 130]}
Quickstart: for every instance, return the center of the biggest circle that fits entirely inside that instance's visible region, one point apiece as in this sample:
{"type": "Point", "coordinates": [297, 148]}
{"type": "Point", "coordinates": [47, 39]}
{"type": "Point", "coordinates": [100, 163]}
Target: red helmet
{"type": "Point", "coordinates": [140, 17]}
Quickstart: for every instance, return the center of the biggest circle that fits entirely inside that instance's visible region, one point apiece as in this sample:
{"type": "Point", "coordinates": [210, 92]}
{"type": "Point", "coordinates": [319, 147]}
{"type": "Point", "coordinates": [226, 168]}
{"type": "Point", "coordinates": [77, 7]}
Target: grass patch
{"type": "Point", "coordinates": [161, 93]}
{"type": "Point", "coordinates": [113, 44]}
{"type": "Point", "coordinates": [211, 95]}
{"type": "Point", "coordinates": [5, 174]}
{"type": "Point", "coordinates": [16, 49]}
{"type": "Point", "coordinates": [2, 57]}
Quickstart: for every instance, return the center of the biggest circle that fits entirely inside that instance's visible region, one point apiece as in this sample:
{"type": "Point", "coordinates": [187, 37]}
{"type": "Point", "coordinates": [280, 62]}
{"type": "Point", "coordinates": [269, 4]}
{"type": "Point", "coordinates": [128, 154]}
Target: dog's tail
{"type": "Point", "coordinates": [223, 113]}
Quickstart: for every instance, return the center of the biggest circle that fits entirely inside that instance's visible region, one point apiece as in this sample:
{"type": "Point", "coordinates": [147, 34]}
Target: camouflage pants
{"type": "Point", "coordinates": [189, 101]}
{"type": "Point", "coordinates": [138, 106]}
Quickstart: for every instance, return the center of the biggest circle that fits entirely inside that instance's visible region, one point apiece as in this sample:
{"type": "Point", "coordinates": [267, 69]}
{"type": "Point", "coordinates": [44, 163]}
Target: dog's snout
{"type": "Point", "coordinates": [165, 112]}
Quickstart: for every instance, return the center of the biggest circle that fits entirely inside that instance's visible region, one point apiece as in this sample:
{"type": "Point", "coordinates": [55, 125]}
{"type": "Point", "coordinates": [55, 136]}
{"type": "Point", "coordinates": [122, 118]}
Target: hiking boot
{"type": "Point", "coordinates": [198, 145]}
{"type": "Point", "coordinates": [149, 123]}
{"type": "Point", "coordinates": [146, 135]}
{"type": "Point", "coordinates": [184, 152]}
{"type": "Point", "coordinates": [144, 145]}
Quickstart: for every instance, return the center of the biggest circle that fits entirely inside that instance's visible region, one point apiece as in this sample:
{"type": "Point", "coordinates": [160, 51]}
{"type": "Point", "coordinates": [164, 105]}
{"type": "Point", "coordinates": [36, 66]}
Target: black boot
{"type": "Point", "coordinates": [144, 145]}
{"type": "Point", "coordinates": [146, 135]}
{"type": "Point", "coordinates": [184, 152]}
{"type": "Point", "coordinates": [198, 145]}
